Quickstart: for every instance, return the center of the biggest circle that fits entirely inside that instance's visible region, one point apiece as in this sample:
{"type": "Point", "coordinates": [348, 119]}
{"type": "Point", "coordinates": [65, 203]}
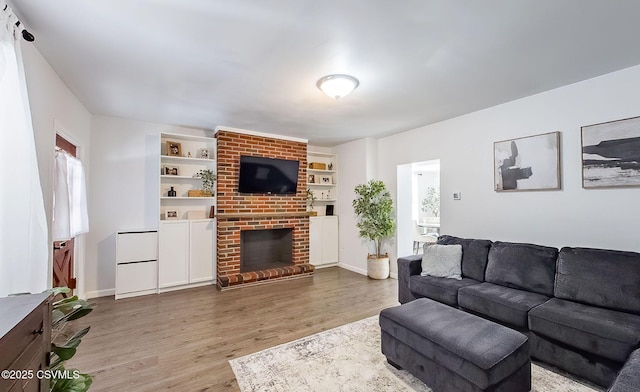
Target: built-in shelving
{"type": "Point", "coordinates": [322, 182]}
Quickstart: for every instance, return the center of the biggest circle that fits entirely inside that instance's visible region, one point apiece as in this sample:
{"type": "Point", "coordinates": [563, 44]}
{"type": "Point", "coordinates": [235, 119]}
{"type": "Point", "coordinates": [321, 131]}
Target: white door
{"type": "Point", "coordinates": [173, 257]}
{"type": "Point", "coordinates": [201, 251]}
{"type": "Point", "coordinates": [330, 240]}
{"type": "Point", "coordinates": [315, 240]}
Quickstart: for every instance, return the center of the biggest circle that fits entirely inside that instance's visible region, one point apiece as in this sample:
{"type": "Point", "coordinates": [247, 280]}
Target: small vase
{"type": "Point", "coordinates": [171, 193]}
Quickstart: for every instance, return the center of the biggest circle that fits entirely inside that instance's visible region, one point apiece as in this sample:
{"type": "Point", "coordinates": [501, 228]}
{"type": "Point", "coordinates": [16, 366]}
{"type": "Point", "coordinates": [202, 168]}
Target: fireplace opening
{"type": "Point", "coordinates": [264, 249]}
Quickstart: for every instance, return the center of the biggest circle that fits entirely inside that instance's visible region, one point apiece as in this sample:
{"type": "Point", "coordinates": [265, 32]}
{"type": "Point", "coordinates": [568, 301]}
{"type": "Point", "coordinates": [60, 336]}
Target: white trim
{"type": "Point", "coordinates": [261, 134]}
{"type": "Point", "coordinates": [185, 136]}
{"type": "Point", "coordinates": [185, 286]}
{"type": "Point", "coordinates": [100, 293]}
{"type": "Point", "coordinates": [353, 269]}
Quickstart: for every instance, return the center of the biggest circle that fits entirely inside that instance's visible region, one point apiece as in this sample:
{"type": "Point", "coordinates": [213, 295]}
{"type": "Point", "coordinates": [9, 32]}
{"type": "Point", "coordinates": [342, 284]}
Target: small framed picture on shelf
{"type": "Point", "coordinates": [326, 180]}
{"type": "Point", "coordinates": [171, 215]}
{"type": "Point", "coordinates": [174, 149]}
{"type": "Point", "coordinates": [311, 179]}
{"type": "Point", "coordinates": [170, 171]}
{"type": "Point", "coordinates": [204, 153]}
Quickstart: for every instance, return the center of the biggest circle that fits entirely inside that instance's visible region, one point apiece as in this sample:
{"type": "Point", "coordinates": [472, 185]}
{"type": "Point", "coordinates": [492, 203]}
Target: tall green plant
{"type": "Point", "coordinates": [374, 209]}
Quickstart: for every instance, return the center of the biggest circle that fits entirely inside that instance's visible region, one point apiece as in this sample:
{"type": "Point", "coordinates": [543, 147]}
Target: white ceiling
{"type": "Point", "coordinates": [254, 64]}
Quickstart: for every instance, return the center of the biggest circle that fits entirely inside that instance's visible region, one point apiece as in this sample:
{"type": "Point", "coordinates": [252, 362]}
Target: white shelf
{"type": "Point", "coordinates": [321, 171]}
{"type": "Point", "coordinates": [188, 220]}
{"type": "Point", "coordinates": [187, 198]}
{"type": "Point", "coordinates": [180, 136]}
{"type": "Point", "coordinates": [166, 158]}
{"type": "Point", "coordinates": [180, 177]}
{"type": "Point", "coordinates": [323, 200]}
{"type": "Point", "coordinates": [321, 154]}
{"type": "Point", "coordinates": [322, 185]}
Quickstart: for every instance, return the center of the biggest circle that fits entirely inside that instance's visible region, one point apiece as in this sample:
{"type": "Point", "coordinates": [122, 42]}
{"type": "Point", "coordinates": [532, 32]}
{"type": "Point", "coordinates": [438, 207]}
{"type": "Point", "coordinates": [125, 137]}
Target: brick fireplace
{"type": "Point", "coordinates": [238, 213]}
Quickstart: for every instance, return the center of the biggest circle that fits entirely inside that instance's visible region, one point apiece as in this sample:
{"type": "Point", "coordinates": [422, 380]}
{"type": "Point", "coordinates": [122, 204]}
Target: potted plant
{"type": "Point", "coordinates": [374, 209]}
{"type": "Point", "coordinates": [208, 179]}
{"type": "Point", "coordinates": [311, 199]}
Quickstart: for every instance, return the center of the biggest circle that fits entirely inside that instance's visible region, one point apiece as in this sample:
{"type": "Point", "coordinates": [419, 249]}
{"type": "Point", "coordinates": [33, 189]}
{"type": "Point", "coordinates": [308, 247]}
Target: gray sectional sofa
{"type": "Point", "coordinates": [579, 307]}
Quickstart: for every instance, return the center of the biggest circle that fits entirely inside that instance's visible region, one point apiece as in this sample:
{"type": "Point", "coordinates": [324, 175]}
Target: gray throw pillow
{"type": "Point", "coordinates": [444, 261]}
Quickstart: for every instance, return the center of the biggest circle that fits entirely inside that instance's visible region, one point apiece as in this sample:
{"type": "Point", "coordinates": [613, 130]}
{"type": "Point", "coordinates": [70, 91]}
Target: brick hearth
{"type": "Point", "coordinates": [237, 212]}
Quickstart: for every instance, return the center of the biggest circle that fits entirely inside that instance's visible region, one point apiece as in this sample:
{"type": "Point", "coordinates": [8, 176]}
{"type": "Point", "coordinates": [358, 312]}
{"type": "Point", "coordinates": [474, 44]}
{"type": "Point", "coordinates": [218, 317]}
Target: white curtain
{"type": "Point", "coordinates": [70, 216]}
{"type": "Point", "coordinates": [24, 250]}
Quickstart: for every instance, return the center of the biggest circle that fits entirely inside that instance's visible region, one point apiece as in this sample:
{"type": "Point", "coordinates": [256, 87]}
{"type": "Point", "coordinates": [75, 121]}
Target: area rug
{"type": "Point", "coordinates": [348, 358]}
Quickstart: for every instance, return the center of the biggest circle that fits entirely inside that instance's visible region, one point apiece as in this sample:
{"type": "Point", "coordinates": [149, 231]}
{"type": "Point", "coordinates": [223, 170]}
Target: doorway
{"type": "Point", "coordinates": [63, 251]}
{"type": "Point", "coordinates": [418, 213]}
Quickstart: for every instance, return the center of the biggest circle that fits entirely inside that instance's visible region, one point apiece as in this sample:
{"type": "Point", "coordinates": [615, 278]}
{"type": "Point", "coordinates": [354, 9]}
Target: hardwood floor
{"type": "Point", "coordinates": [182, 340]}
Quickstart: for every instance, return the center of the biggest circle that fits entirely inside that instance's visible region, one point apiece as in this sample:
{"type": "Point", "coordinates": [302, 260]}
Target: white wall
{"type": "Point", "coordinates": [54, 108]}
{"type": "Point", "coordinates": [603, 218]}
{"type": "Point", "coordinates": [124, 191]}
{"type": "Point", "coordinates": [356, 165]}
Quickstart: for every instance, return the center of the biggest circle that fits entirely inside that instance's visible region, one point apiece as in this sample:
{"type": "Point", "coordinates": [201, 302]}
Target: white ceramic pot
{"type": "Point", "coordinates": [378, 268]}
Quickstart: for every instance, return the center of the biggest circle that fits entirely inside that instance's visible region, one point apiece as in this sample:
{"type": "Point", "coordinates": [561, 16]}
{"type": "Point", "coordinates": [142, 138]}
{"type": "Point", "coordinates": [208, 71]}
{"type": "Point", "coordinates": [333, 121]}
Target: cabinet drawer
{"type": "Point", "coordinates": [24, 335]}
{"type": "Point", "coordinates": [137, 246]}
{"type": "Point", "coordinates": [136, 277]}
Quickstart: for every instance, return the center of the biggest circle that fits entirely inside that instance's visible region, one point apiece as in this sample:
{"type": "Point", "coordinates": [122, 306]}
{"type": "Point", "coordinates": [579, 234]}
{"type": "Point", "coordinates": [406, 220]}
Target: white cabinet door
{"type": "Point", "coordinates": [136, 277]}
{"type": "Point", "coordinates": [323, 240]}
{"type": "Point", "coordinates": [136, 246]}
{"type": "Point", "coordinates": [315, 240]}
{"type": "Point", "coordinates": [330, 240]}
{"type": "Point", "coordinates": [173, 258]}
{"type": "Point", "coordinates": [201, 250]}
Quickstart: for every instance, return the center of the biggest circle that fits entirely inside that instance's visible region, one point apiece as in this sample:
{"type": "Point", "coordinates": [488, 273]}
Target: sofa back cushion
{"type": "Point", "coordinates": [474, 255]}
{"type": "Point", "coordinates": [605, 278]}
{"type": "Point", "coordinates": [522, 266]}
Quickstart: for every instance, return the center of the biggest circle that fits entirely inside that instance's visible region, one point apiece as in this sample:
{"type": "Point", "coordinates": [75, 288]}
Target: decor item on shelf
{"type": "Point", "coordinates": [374, 209]}
{"type": "Point", "coordinates": [431, 202]}
{"type": "Point", "coordinates": [212, 212]}
{"type": "Point", "coordinates": [208, 178]}
{"type": "Point", "coordinates": [196, 193]}
{"type": "Point", "coordinates": [174, 149]}
{"type": "Point", "coordinates": [337, 86]}
{"type": "Point", "coordinates": [329, 210]}
{"type": "Point", "coordinates": [189, 154]}
{"type": "Point", "coordinates": [311, 179]}
{"type": "Point", "coordinates": [527, 163]}
{"type": "Point", "coordinates": [317, 166]}
{"type": "Point", "coordinates": [63, 344]}
{"type": "Point", "coordinates": [171, 192]}
{"type": "Point", "coordinates": [330, 166]}
{"type": "Point", "coordinates": [204, 153]}
{"type": "Point", "coordinates": [326, 180]}
{"type": "Point", "coordinates": [611, 154]}
{"type": "Point", "coordinates": [171, 215]}
{"type": "Point", "coordinates": [311, 199]}
{"type": "Point", "coordinates": [170, 171]}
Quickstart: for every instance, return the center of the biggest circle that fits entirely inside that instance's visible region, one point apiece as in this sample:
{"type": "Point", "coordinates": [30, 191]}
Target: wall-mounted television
{"type": "Point", "coordinates": [267, 175]}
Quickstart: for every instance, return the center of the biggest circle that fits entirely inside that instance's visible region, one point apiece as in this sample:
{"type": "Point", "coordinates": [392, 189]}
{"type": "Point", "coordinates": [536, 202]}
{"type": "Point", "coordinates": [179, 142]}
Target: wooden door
{"type": "Point", "coordinates": [63, 260]}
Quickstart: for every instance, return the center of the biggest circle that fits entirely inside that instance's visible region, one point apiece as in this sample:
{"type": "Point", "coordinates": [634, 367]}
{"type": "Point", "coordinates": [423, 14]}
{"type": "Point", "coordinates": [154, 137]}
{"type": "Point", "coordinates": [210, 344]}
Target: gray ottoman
{"type": "Point", "coordinates": [450, 350]}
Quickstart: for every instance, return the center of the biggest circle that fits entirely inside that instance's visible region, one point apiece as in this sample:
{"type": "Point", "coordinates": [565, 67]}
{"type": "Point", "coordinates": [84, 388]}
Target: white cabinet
{"type": "Point", "coordinates": [136, 263]}
{"type": "Point", "coordinates": [323, 240]}
{"type": "Point", "coordinates": [187, 255]}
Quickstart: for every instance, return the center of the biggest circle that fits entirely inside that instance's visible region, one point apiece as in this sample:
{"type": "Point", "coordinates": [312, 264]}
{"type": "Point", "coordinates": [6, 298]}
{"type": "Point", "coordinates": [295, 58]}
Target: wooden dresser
{"type": "Point", "coordinates": [25, 341]}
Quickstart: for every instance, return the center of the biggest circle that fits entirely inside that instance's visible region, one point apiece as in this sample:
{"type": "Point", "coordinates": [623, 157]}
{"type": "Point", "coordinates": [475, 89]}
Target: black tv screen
{"type": "Point", "coordinates": [267, 175]}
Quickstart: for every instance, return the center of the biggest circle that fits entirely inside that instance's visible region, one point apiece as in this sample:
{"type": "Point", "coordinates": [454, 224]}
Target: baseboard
{"type": "Point", "coordinates": [100, 293]}
{"type": "Point", "coordinates": [353, 269]}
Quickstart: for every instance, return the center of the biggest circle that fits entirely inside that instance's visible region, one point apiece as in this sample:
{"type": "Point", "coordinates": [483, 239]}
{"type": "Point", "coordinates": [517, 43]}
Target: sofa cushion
{"type": "Point", "coordinates": [522, 266]}
{"type": "Point", "coordinates": [474, 255]}
{"type": "Point", "coordinates": [442, 261]}
{"type": "Point", "coordinates": [441, 289]}
{"type": "Point", "coordinates": [500, 303]}
{"type": "Point", "coordinates": [628, 380]}
{"type": "Point", "coordinates": [607, 333]}
{"type": "Point", "coordinates": [605, 278]}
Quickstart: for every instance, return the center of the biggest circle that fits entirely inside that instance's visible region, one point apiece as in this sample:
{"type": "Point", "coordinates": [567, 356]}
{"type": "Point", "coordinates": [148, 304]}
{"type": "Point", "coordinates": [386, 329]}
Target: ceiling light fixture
{"type": "Point", "coordinates": [337, 86]}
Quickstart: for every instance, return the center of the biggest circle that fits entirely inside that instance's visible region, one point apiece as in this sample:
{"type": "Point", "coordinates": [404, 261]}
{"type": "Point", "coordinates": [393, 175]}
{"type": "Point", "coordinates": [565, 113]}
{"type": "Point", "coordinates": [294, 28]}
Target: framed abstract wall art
{"type": "Point", "coordinates": [611, 154]}
{"type": "Point", "coordinates": [528, 163]}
